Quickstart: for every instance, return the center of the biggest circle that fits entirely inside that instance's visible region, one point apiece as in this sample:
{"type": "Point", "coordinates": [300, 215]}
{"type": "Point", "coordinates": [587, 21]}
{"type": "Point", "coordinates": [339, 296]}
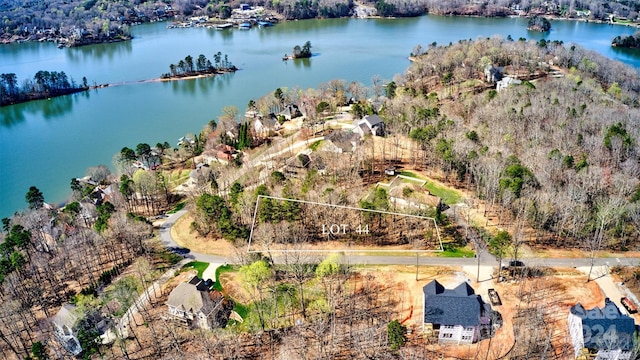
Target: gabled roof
{"type": "Point", "coordinates": [373, 119]}
{"type": "Point", "coordinates": [187, 297]}
{"type": "Point", "coordinates": [458, 306]}
{"type": "Point", "coordinates": [464, 289]}
{"type": "Point", "coordinates": [609, 319]}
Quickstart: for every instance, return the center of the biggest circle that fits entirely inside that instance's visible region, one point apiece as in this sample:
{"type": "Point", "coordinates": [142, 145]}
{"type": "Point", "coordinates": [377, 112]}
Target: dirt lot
{"type": "Point", "coordinates": [553, 295]}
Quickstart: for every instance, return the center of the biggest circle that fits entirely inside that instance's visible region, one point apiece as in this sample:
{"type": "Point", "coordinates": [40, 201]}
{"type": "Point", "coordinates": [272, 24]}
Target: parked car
{"type": "Point", "coordinates": [629, 305]}
{"type": "Point", "coordinates": [179, 250]}
{"type": "Point", "coordinates": [512, 264]}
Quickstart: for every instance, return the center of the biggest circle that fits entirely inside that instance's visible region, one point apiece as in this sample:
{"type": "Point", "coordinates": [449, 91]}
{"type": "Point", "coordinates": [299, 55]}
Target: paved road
{"type": "Point", "coordinates": [485, 258]}
{"type": "Point", "coordinates": [168, 242]}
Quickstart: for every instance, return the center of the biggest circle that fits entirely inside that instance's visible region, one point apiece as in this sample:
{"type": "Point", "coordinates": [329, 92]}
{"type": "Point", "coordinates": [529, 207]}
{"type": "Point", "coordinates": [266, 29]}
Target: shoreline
{"type": "Point", "coordinates": [62, 42]}
{"type": "Point", "coordinates": [124, 83]}
{"type": "Point", "coordinates": [34, 97]}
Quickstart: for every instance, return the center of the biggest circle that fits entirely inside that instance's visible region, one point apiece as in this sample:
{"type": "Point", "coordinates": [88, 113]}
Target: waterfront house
{"type": "Point", "coordinates": [291, 111]}
{"type": "Point", "coordinates": [186, 141]}
{"type": "Point", "coordinates": [456, 315]}
{"type": "Point", "coordinates": [604, 332]}
{"type": "Point", "coordinates": [264, 126]}
{"type": "Point", "coordinates": [193, 305]}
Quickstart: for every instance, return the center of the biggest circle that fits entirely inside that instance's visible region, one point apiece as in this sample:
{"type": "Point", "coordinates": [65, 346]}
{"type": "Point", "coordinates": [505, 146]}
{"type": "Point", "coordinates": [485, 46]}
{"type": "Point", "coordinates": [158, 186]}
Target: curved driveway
{"type": "Point", "coordinates": [168, 242]}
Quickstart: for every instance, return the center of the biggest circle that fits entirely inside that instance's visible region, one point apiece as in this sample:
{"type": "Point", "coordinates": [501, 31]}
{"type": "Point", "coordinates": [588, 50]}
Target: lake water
{"type": "Point", "coordinates": [46, 143]}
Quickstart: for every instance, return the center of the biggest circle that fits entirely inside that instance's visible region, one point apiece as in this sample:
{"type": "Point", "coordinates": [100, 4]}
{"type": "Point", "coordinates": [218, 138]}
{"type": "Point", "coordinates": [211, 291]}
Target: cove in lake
{"type": "Point", "coordinates": [45, 143]}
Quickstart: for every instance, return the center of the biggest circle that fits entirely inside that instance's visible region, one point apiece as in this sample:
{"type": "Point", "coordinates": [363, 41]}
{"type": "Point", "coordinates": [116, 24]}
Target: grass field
{"type": "Point", "coordinates": [448, 195]}
{"type": "Point", "coordinates": [198, 266]}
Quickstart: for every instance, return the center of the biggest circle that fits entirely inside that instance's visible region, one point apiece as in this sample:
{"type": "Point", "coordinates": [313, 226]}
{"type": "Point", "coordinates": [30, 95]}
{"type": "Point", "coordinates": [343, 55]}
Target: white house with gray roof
{"type": "Point", "coordinates": [370, 124]}
{"type": "Point", "coordinates": [456, 315]}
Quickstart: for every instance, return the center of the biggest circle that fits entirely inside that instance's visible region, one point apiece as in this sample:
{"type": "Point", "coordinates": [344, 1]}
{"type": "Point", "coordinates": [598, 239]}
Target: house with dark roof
{"type": "Point", "coordinates": [298, 165]}
{"type": "Point", "coordinates": [605, 332]}
{"type": "Point", "coordinates": [195, 306]}
{"type": "Point", "coordinates": [370, 124]}
{"type": "Point", "coordinates": [345, 141]}
{"type": "Point", "coordinates": [456, 315]}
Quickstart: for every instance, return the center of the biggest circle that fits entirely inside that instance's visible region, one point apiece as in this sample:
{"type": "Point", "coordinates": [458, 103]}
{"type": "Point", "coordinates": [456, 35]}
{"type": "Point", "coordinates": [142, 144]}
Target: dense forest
{"type": "Point", "coordinates": [79, 22]}
{"type": "Point", "coordinates": [45, 84]}
{"type": "Point", "coordinates": [560, 154]}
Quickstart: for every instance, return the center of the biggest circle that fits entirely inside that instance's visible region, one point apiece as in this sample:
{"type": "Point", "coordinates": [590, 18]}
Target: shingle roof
{"type": "Point", "coordinates": [373, 119]}
{"type": "Point", "coordinates": [602, 323]}
{"type": "Point", "coordinates": [458, 306]}
{"type": "Point", "coordinates": [187, 297]}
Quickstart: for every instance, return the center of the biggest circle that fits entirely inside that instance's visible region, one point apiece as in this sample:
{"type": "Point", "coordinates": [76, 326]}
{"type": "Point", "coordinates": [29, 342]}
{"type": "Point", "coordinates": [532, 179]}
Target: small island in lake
{"type": "Point", "coordinates": [538, 23]}
{"type": "Point", "coordinates": [631, 41]}
{"type": "Point", "coordinates": [202, 66]}
{"type": "Point", "coordinates": [299, 52]}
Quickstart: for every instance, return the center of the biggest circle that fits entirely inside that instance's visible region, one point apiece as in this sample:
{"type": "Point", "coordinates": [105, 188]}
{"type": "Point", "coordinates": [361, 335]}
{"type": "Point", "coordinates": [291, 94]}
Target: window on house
{"type": "Point", "coordinates": [468, 329]}
{"type": "Point", "coordinates": [447, 336]}
{"type": "Point", "coordinates": [466, 337]}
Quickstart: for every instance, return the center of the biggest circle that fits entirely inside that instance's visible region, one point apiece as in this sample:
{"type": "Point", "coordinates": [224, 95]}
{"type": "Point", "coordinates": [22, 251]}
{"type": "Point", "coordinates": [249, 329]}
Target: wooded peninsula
{"type": "Point", "coordinates": [45, 84]}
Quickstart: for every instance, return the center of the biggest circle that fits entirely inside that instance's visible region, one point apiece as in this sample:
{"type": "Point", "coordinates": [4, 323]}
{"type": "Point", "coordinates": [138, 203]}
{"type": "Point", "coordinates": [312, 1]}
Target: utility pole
{"type": "Point", "coordinates": [478, 256]}
{"type": "Point", "coordinates": [417, 253]}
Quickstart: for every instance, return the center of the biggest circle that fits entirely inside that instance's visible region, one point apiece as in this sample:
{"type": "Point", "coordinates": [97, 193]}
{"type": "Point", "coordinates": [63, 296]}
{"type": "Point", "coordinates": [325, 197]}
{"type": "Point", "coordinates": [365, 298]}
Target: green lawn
{"type": "Point", "coordinates": [409, 174]}
{"type": "Point", "coordinates": [448, 195]}
{"type": "Point", "coordinates": [315, 145]}
{"type": "Point", "coordinates": [220, 270]}
{"type": "Point", "coordinates": [457, 252]}
{"type": "Point", "coordinates": [176, 178]}
{"type": "Point", "coordinates": [198, 265]}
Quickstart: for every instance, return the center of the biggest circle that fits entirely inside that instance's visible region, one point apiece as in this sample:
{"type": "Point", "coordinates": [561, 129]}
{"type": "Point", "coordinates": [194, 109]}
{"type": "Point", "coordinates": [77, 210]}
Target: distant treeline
{"type": "Point", "coordinates": [202, 65]}
{"type": "Point", "coordinates": [77, 22]}
{"type": "Point", "coordinates": [45, 84]}
{"type": "Point", "coordinates": [631, 41]}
